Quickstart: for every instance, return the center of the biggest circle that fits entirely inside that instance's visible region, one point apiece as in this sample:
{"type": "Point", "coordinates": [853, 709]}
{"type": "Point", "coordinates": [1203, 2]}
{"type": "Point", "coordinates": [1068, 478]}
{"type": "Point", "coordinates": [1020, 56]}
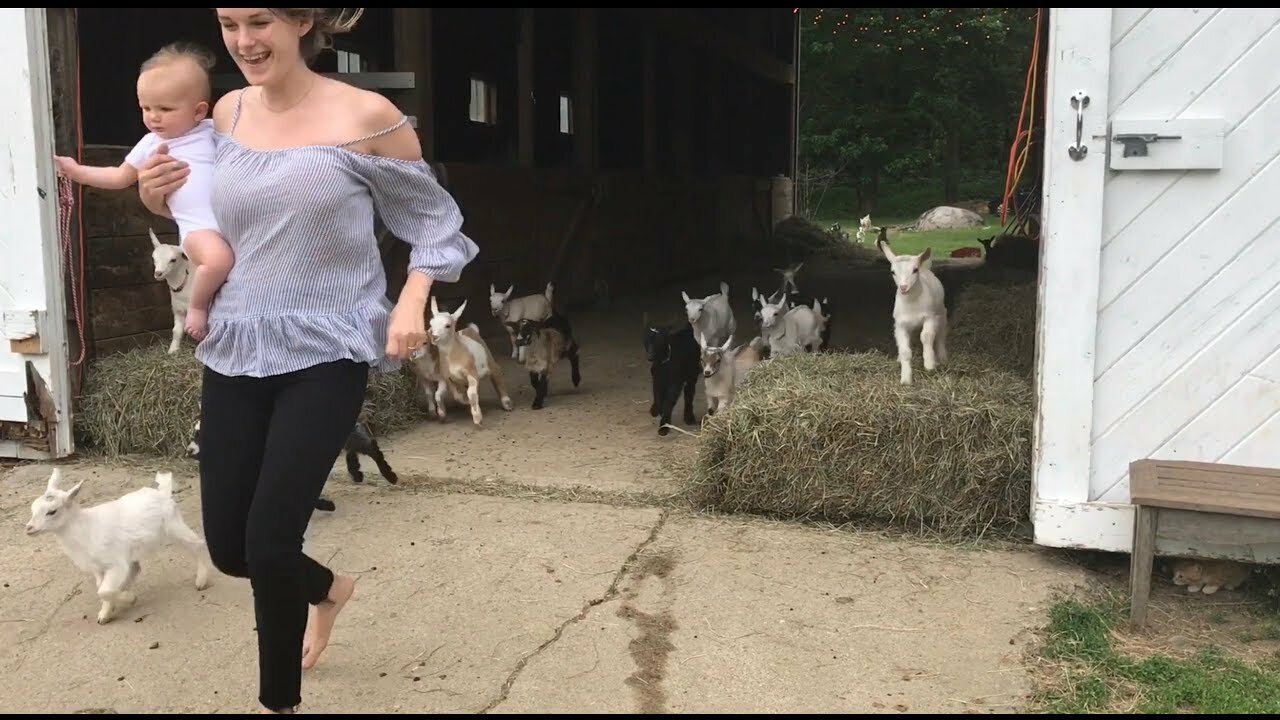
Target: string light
{"type": "Point", "coordinates": [896, 37]}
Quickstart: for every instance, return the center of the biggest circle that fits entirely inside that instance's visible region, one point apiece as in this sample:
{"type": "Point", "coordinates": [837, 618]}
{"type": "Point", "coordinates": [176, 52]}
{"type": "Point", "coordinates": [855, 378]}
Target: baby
{"type": "Point", "coordinates": [174, 94]}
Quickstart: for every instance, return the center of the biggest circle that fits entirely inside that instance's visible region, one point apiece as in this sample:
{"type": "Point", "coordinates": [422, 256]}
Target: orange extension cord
{"type": "Point", "coordinates": [1018, 160]}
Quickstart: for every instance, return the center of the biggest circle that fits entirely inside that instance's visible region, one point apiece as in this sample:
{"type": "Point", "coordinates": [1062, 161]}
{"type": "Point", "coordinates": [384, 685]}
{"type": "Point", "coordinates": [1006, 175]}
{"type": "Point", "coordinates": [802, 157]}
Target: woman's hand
{"type": "Point", "coordinates": [159, 176]}
{"type": "Point", "coordinates": [406, 330]}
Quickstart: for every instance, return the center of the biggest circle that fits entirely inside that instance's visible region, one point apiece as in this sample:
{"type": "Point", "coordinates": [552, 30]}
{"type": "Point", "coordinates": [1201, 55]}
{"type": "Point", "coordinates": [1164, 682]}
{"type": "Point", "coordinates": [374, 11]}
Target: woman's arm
{"type": "Point", "coordinates": [413, 204]}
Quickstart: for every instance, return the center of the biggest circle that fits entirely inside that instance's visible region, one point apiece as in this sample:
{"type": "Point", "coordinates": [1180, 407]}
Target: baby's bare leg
{"type": "Point", "coordinates": [213, 260]}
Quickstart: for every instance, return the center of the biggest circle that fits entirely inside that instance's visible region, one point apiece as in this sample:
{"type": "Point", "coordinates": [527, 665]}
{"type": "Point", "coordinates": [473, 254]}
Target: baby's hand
{"type": "Point", "coordinates": [67, 167]}
{"type": "Point", "coordinates": [197, 325]}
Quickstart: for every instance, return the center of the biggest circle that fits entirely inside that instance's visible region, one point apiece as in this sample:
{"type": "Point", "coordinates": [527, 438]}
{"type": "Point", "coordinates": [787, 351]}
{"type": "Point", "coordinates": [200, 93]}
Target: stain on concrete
{"type": "Point", "coordinates": [652, 647]}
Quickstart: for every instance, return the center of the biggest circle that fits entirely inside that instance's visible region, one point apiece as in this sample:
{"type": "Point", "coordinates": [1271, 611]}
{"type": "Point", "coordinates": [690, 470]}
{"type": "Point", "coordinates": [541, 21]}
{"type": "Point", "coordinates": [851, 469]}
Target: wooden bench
{"type": "Point", "coordinates": [1196, 503]}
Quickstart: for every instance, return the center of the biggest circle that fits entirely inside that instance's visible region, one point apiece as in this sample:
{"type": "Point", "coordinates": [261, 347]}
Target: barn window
{"type": "Point", "coordinates": [566, 114]}
{"type": "Point", "coordinates": [349, 62]}
{"type": "Point", "coordinates": [484, 101]}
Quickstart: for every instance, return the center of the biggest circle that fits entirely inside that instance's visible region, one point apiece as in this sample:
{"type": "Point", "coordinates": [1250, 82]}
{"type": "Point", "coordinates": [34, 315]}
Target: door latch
{"type": "Point", "coordinates": [1135, 144]}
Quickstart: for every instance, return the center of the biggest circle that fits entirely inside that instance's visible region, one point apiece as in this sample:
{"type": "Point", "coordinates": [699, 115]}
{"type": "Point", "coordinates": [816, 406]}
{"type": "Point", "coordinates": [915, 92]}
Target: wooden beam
{"type": "Point", "coordinates": [525, 58]}
{"type": "Point", "coordinates": [688, 27]}
{"type": "Point", "coordinates": [584, 88]}
{"type": "Point", "coordinates": [401, 80]}
{"type": "Point", "coordinates": [64, 55]}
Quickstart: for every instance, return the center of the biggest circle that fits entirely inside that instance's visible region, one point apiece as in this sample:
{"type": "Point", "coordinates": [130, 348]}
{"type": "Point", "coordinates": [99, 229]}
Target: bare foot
{"type": "Point", "coordinates": [321, 617]}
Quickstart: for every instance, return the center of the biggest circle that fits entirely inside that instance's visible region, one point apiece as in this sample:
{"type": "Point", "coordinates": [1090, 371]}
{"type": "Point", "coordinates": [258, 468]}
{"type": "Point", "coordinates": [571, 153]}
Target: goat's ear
{"type": "Point", "coordinates": [507, 295]}
{"type": "Point", "coordinates": [75, 490]}
{"type": "Point", "coordinates": [492, 290]}
{"type": "Point", "coordinates": [924, 256]}
{"type": "Point", "coordinates": [684, 295]}
{"type": "Point", "coordinates": [702, 340]}
{"type": "Point", "coordinates": [458, 313]}
{"type": "Point", "coordinates": [755, 294]}
{"type": "Point", "coordinates": [435, 309]}
{"type": "Point", "coordinates": [884, 248]}
{"type": "Point", "coordinates": [155, 241]}
{"type": "Point", "coordinates": [728, 340]}
{"type": "Point", "coordinates": [55, 477]}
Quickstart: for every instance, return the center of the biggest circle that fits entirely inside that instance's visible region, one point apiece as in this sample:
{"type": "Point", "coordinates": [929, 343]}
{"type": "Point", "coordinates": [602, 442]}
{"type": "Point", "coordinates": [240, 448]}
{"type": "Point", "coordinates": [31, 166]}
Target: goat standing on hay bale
{"type": "Point", "coordinates": [173, 266]}
{"type": "Point", "coordinates": [920, 305]}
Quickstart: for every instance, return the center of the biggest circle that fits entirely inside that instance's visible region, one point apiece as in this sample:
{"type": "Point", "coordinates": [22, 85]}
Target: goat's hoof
{"type": "Point", "coordinates": [357, 477]}
{"type": "Point", "coordinates": [506, 404]}
{"type": "Point", "coordinates": [653, 411]}
{"type": "Point", "coordinates": [126, 598]}
{"type": "Point", "coordinates": [537, 405]}
{"type": "Point", "coordinates": [391, 478]}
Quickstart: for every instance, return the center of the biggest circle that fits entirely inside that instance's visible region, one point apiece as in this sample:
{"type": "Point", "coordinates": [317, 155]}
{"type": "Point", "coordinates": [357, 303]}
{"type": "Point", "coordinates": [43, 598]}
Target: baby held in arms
{"type": "Point", "coordinates": [174, 95]}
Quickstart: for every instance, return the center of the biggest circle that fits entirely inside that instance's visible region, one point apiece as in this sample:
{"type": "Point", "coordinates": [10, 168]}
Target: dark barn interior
{"type": "Point", "coordinates": [612, 152]}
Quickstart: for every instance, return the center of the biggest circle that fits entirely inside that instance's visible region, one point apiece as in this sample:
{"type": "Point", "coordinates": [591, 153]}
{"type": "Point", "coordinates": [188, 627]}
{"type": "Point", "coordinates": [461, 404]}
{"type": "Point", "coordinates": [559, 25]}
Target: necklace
{"type": "Point", "coordinates": [295, 104]}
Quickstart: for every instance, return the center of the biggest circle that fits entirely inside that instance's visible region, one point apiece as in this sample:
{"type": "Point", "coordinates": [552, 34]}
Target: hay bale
{"type": "Point", "coordinates": [996, 324]}
{"type": "Point", "coordinates": [834, 436]}
{"type": "Point", "coordinates": [145, 402]}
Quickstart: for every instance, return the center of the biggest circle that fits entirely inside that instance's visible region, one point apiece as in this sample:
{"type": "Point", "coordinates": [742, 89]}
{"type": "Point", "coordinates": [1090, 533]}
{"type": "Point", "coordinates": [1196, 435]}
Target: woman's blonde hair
{"type": "Point", "coordinates": [326, 22]}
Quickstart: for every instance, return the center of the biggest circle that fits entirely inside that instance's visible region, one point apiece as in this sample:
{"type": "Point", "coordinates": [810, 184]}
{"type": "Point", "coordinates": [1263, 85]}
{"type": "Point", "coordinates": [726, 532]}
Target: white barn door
{"type": "Point", "coordinates": [35, 414]}
{"type": "Point", "coordinates": [1161, 268]}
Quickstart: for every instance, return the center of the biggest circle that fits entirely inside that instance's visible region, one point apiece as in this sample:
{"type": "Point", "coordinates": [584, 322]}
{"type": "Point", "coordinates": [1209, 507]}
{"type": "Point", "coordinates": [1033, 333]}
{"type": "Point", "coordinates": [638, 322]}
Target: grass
{"type": "Point", "coordinates": [1097, 665]}
{"type": "Point", "coordinates": [942, 241]}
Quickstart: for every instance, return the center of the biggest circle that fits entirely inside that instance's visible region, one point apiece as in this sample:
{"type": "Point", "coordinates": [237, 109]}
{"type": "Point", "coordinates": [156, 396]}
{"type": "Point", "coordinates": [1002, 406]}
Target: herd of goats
{"type": "Point", "coordinates": [453, 363]}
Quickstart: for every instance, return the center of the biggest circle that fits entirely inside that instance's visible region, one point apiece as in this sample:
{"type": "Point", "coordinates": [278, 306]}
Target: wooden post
{"type": "Point", "coordinates": [1141, 558]}
{"type": "Point", "coordinates": [64, 56]}
{"type": "Point", "coordinates": [650, 109]}
{"type": "Point", "coordinates": [584, 88]}
{"type": "Point", "coordinates": [412, 42]}
{"type": "Point", "coordinates": [525, 58]}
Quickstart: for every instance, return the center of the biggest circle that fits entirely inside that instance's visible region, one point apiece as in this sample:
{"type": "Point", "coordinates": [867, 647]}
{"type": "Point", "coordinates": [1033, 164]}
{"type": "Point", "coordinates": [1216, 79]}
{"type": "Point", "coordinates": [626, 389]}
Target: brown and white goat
{"type": "Point", "coordinates": [428, 375]}
{"type": "Point", "coordinates": [464, 360]}
{"type": "Point", "coordinates": [545, 343]}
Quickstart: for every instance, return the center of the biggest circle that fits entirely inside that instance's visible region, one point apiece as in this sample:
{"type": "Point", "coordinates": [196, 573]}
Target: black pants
{"type": "Point", "coordinates": [268, 445]}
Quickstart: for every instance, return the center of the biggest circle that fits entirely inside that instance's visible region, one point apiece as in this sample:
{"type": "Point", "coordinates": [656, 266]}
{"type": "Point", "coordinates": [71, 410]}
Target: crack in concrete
{"type": "Point", "coordinates": [609, 594]}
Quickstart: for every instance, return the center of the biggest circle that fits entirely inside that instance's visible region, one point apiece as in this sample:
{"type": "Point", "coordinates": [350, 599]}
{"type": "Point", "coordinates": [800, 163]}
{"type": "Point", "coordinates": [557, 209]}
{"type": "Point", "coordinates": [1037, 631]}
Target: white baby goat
{"type": "Point", "coordinates": [711, 315]}
{"type": "Point", "coordinates": [789, 277]}
{"type": "Point", "coordinates": [531, 307]}
{"type": "Point", "coordinates": [111, 539]}
{"type": "Point", "coordinates": [173, 266]}
{"type": "Point", "coordinates": [787, 329]}
{"type": "Point", "coordinates": [918, 305]}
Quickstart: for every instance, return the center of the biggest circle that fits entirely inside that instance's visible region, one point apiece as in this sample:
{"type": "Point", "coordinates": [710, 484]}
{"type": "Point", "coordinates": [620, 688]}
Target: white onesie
{"type": "Point", "coordinates": [189, 204]}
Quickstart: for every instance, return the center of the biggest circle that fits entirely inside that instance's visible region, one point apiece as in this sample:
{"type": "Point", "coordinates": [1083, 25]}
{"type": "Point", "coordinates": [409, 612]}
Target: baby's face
{"type": "Point", "coordinates": [171, 104]}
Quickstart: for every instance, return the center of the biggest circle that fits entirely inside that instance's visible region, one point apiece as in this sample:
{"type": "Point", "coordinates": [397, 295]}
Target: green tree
{"type": "Point", "coordinates": [908, 94]}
